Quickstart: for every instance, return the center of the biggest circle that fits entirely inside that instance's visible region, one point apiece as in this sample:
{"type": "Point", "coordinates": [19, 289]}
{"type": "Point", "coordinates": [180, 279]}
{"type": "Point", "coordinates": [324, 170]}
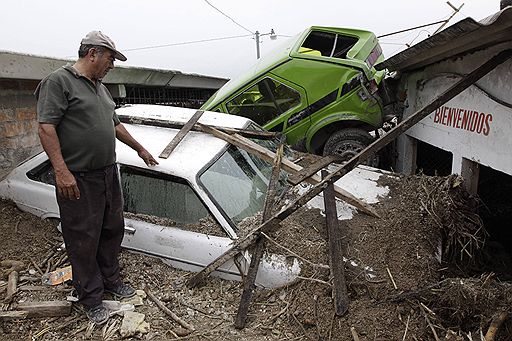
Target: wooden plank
{"type": "Point", "coordinates": [336, 264]}
{"type": "Point", "coordinates": [453, 91]}
{"type": "Point", "coordinates": [312, 169]}
{"type": "Point", "coordinates": [288, 166]}
{"type": "Point", "coordinates": [13, 315]}
{"type": "Point", "coordinates": [12, 286]}
{"type": "Point", "coordinates": [45, 308]}
{"type": "Point", "coordinates": [250, 238]}
{"type": "Point", "coordinates": [181, 134]}
{"type": "Point", "coordinates": [249, 133]}
{"type": "Point", "coordinates": [257, 254]}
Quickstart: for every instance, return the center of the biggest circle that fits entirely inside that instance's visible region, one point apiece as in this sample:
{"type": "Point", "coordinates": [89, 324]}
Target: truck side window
{"type": "Point", "coordinates": [327, 44]}
{"type": "Point", "coordinates": [264, 101]}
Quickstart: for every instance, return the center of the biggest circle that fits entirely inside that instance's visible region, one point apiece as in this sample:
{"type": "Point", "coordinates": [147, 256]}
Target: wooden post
{"type": "Point", "coordinates": [12, 286]}
{"type": "Point", "coordinates": [181, 134]}
{"type": "Point", "coordinates": [336, 264]}
{"type": "Point", "coordinates": [257, 254]}
{"type": "Point", "coordinates": [453, 91]}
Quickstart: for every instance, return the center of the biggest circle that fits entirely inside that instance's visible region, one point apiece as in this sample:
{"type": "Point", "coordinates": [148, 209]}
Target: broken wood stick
{"type": "Point", "coordinates": [12, 286]}
{"type": "Point", "coordinates": [250, 133]}
{"type": "Point", "coordinates": [337, 267]}
{"type": "Point", "coordinates": [267, 226]}
{"type": "Point", "coordinates": [355, 336]}
{"type": "Point", "coordinates": [287, 165]}
{"type": "Point", "coordinates": [168, 312]}
{"type": "Point", "coordinates": [257, 254]}
{"type": "Point", "coordinates": [13, 315]}
{"type": "Point", "coordinates": [453, 91]}
{"type": "Point", "coordinates": [181, 134]}
{"type": "Point", "coordinates": [391, 278]}
{"type": "Point", "coordinates": [45, 308]}
{"type": "Point", "coordinates": [496, 323]}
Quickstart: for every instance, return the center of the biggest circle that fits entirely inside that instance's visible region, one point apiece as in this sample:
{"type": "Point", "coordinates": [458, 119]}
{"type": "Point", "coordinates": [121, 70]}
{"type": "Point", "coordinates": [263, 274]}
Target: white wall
{"type": "Point", "coordinates": [472, 125]}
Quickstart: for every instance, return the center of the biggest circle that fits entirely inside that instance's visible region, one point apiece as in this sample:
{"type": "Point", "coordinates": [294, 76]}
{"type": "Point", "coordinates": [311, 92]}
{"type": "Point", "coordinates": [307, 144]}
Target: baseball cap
{"type": "Point", "coordinates": [100, 39]}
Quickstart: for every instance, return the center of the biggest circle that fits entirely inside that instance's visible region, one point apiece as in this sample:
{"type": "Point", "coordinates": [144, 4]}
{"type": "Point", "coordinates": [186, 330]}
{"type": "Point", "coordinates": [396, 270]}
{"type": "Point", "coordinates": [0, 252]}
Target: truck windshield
{"type": "Point", "coordinates": [238, 182]}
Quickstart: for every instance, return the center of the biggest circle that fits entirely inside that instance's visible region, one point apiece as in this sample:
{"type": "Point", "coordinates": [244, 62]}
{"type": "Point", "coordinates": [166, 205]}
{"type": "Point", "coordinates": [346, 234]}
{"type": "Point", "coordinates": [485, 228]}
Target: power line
{"type": "Point", "coordinates": [227, 16]}
{"type": "Point", "coordinates": [185, 43]}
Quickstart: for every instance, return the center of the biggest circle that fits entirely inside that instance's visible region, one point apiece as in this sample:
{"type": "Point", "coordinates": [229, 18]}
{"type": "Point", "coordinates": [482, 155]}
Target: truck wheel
{"type": "Point", "coordinates": [349, 142]}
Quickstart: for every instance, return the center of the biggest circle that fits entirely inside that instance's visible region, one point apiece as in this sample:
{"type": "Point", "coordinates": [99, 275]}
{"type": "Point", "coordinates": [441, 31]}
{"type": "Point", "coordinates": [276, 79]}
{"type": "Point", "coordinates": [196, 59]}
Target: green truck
{"type": "Point", "coordinates": [320, 89]}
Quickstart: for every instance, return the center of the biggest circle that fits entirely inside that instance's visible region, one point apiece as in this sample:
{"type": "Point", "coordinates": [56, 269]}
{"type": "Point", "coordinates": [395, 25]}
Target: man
{"type": "Point", "coordinates": [77, 129]}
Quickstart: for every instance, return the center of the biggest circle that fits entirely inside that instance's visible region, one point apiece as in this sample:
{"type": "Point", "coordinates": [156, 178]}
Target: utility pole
{"type": "Point", "coordinates": [257, 37]}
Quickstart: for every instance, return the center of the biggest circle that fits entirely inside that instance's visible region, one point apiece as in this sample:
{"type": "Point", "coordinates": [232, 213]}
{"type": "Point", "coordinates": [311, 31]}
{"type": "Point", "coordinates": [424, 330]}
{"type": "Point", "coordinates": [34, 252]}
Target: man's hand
{"type": "Point", "coordinates": [66, 185]}
{"type": "Point", "coordinates": [147, 157]}
{"type": "Point", "coordinates": [124, 136]}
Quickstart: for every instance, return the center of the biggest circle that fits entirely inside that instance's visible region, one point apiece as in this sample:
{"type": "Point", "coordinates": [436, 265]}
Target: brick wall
{"type": "Point", "coordinates": [18, 124]}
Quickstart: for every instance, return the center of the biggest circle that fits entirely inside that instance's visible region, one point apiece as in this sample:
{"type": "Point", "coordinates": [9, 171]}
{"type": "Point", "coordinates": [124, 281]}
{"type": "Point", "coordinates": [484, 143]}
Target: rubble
{"type": "Point", "coordinates": [400, 250]}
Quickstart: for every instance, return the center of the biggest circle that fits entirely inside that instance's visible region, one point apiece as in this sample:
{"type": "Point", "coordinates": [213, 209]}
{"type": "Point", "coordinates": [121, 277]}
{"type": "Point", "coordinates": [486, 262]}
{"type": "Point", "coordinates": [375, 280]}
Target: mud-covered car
{"type": "Point", "coordinates": [186, 210]}
{"type": "Point", "coordinates": [189, 208]}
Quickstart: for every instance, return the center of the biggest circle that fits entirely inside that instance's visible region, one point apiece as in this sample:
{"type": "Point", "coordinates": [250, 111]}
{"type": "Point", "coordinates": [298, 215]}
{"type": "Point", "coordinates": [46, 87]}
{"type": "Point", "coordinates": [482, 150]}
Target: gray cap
{"type": "Point", "coordinates": [100, 39]}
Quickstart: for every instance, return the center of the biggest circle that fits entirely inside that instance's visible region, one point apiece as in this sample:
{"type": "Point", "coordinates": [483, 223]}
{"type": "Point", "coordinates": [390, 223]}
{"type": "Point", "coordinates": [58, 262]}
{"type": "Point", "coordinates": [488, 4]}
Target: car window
{"type": "Point", "coordinates": [165, 200]}
{"type": "Point", "coordinates": [238, 182]}
{"type": "Point", "coordinates": [327, 44]}
{"type": "Point", "coordinates": [43, 173]}
{"type": "Point", "coordinates": [264, 101]}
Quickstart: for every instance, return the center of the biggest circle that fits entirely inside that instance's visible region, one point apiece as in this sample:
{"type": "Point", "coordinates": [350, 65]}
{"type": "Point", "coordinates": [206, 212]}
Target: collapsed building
{"type": "Point", "coordinates": [470, 134]}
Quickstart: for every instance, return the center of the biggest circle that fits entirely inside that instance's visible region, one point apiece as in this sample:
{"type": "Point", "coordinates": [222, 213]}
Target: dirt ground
{"type": "Point", "coordinates": [397, 287]}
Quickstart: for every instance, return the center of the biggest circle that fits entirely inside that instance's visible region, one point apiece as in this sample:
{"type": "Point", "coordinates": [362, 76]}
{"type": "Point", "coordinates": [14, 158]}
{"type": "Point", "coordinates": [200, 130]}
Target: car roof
{"type": "Point", "coordinates": [194, 152]}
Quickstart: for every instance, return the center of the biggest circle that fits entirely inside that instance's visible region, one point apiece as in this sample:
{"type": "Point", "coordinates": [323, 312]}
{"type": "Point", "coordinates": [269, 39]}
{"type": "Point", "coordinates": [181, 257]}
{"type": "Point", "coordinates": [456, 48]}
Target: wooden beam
{"type": "Point", "coordinates": [45, 308]}
{"type": "Point", "coordinates": [249, 133]}
{"type": "Point", "coordinates": [250, 238]}
{"type": "Point", "coordinates": [181, 134]}
{"type": "Point", "coordinates": [13, 315]}
{"type": "Point", "coordinates": [12, 286]}
{"type": "Point", "coordinates": [336, 264]}
{"type": "Point", "coordinates": [257, 254]}
{"type": "Point", "coordinates": [453, 91]}
{"type": "Point", "coordinates": [312, 169]}
{"type": "Point", "coordinates": [288, 166]}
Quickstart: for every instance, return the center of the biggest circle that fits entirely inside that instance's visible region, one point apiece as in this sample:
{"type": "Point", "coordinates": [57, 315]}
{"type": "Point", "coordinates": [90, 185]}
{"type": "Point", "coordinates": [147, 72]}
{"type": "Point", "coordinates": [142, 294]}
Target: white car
{"type": "Point", "coordinates": [187, 209]}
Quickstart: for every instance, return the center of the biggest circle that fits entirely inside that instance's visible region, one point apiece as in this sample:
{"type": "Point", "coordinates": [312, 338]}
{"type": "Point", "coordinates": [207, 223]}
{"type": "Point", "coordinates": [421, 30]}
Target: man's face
{"type": "Point", "coordinates": [103, 63]}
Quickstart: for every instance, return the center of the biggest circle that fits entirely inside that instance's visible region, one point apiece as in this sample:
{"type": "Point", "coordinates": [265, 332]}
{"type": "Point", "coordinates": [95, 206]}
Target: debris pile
{"type": "Point", "coordinates": [397, 288]}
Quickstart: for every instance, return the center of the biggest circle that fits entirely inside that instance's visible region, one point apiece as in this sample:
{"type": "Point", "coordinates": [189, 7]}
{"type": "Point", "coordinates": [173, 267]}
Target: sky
{"type": "Point", "coordinates": [54, 28]}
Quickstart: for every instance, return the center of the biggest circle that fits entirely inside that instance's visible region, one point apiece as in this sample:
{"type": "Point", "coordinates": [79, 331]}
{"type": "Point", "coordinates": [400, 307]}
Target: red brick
{"type": "Point", "coordinates": [6, 115]}
{"type": "Point", "coordinates": [11, 129]}
{"type": "Point", "coordinates": [25, 114]}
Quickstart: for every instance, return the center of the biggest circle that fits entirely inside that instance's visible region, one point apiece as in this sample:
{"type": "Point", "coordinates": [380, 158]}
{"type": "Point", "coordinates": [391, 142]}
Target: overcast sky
{"type": "Point", "coordinates": [54, 28]}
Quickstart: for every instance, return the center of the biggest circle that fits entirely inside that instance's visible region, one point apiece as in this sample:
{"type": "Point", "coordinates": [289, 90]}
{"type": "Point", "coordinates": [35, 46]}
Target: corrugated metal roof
{"type": "Point", "coordinates": [25, 66]}
{"type": "Point", "coordinates": [465, 36]}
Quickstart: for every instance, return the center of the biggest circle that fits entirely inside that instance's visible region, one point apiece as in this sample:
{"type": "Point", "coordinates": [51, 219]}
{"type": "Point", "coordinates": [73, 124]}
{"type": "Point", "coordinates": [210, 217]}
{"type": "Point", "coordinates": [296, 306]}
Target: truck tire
{"type": "Point", "coordinates": [348, 143]}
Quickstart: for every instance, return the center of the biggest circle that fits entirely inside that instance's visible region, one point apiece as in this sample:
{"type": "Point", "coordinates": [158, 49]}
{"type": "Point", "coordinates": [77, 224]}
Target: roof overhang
{"type": "Point", "coordinates": [462, 37]}
{"type": "Point", "coordinates": [31, 67]}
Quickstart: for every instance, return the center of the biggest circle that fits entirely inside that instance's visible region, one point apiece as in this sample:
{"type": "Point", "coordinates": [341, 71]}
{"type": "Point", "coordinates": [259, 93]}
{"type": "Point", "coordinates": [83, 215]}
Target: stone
{"type": "Point", "coordinates": [133, 323]}
{"type": "Point", "coordinates": [135, 300]}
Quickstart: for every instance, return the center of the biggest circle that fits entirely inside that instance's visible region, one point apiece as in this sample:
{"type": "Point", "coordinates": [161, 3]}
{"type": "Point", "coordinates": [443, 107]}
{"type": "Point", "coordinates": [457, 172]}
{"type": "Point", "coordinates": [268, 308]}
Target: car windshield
{"type": "Point", "coordinates": [238, 182]}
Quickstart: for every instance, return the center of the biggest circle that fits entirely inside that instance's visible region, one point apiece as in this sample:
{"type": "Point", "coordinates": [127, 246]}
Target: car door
{"type": "Point", "coordinates": [165, 217]}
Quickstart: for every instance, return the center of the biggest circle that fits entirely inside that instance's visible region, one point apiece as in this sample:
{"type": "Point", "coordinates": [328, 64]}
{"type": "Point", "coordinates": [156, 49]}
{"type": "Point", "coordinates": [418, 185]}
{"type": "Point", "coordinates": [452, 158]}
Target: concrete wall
{"type": "Point", "coordinates": [472, 126]}
{"type": "Point", "coordinates": [18, 124]}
